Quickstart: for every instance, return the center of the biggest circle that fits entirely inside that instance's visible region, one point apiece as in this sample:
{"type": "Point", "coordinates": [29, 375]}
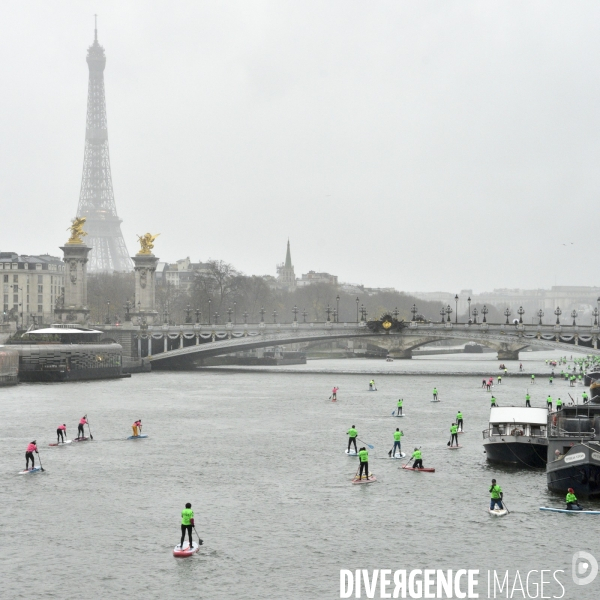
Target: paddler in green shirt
{"type": "Point", "coordinates": [435, 393]}
{"type": "Point", "coordinates": [532, 378]}
{"type": "Point", "coordinates": [400, 406]}
{"type": "Point", "coordinates": [397, 435]}
{"type": "Point", "coordinates": [496, 495]}
{"type": "Point", "coordinates": [453, 434]}
{"type": "Point", "coordinates": [187, 523]}
{"type": "Point", "coordinates": [571, 499]}
{"type": "Point", "coordinates": [363, 457]}
{"type": "Point", "coordinates": [527, 400]}
{"type": "Point", "coordinates": [585, 397]}
{"type": "Point", "coordinates": [372, 385]}
{"type": "Point", "coordinates": [417, 457]}
{"type": "Point", "coordinates": [559, 404]}
{"type": "Point", "coordinates": [459, 421]}
{"type": "Point", "coordinates": [549, 402]}
{"type": "Point", "coordinates": [352, 439]}
{"type": "Point", "coordinates": [493, 400]}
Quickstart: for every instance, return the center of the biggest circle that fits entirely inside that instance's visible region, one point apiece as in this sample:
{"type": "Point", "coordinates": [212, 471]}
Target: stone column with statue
{"type": "Point", "coordinates": [145, 282]}
{"type": "Point", "coordinates": [73, 306]}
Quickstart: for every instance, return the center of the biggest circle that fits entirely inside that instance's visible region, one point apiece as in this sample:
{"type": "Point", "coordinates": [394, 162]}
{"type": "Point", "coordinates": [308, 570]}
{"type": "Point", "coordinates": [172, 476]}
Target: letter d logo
{"type": "Point", "coordinates": [584, 568]}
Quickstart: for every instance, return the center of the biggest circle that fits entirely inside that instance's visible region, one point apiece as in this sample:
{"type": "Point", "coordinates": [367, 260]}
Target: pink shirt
{"type": "Point", "coordinates": [62, 427]}
{"type": "Point", "coordinates": [83, 421]}
{"type": "Point", "coordinates": [31, 448]}
{"type": "Point", "coordinates": [138, 423]}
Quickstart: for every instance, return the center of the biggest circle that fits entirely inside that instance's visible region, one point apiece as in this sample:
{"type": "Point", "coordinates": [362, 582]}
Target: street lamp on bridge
{"type": "Point", "coordinates": [335, 315]}
{"type": "Point", "coordinates": [558, 312]}
{"type": "Point", "coordinates": [469, 301]}
{"type": "Point", "coordinates": [448, 312]}
{"type": "Point", "coordinates": [229, 311]}
{"type": "Point", "coordinates": [475, 313]}
{"type": "Point", "coordinates": [540, 314]}
{"type": "Point", "coordinates": [521, 312]}
{"type": "Point", "coordinates": [235, 312]}
{"type": "Point", "coordinates": [209, 302]}
{"type": "Point", "coordinates": [337, 309]}
{"type": "Point", "coordinates": [165, 316]}
{"type": "Point", "coordinates": [456, 313]}
{"type": "Point", "coordinates": [188, 312]}
{"type": "Point", "coordinates": [443, 313]}
{"type": "Point", "coordinates": [574, 316]}
{"type": "Point", "coordinates": [595, 313]}
{"type": "Point", "coordinates": [507, 314]}
{"type": "Point", "coordinates": [484, 311]}
{"type": "Point", "coordinates": [107, 313]}
{"type": "Point", "coordinates": [304, 315]}
{"type": "Point", "coordinates": [245, 316]}
{"type": "Point", "coordinates": [274, 316]}
{"type": "Point", "coordinates": [328, 311]}
{"type": "Point", "coordinates": [357, 301]}
{"type": "Point", "coordinates": [414, 311]}
{"type": "Point", "coordinates": [295, 311]}
{"type": "Point", "coordinates": [198, 315]}
{"type": "Point", "coordinates": [262, 314]}
{"type": "Point", "coordinates": [217, 318]}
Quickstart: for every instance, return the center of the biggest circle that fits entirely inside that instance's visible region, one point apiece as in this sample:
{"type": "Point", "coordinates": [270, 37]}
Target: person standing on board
{"type": "Point", "coordinates": [484, 383]}
{"type": "Point", "coordinates": [334, 393]}
{"type": "Point", "coordinates": [571, 500]}
{"type": "Point", "coordinates": [137, 428]}
{"type": "Point", "coordinates": [80, 429]}
{"type": "Point", "coordinates": [521, 366]}
{"type": "Point", "coordinates": [505, 371]}
{"type": "Point", "coordinates": [400, 401]}
{"type": "Point", "coordinates": [61, 432]}
{"type": "Point", "coordinates": [493, 400]}
{"type": "Point", "coordinates": [499, 379]}
{"type": "Point", "coordinates": [459, 421]}
{"type": "Point", "coordinates": [551, 379]}
{"type": "Point", "coordinates": [363, 457]}
{"type": "Point", "coordinates": [496, 496]}
{"type": "Point", "coordinates": [397, 435]}
{"type": "Point", "coordinates": [532, 378]}
{"type": "Point", "coordinates": [527, 400]}
{"type": "Point", "coordinates": [352, 439]}
{"type": "Point", "coordinates": [372, 384]}
{"type": "Point", "coordinates": [559, 404]}
{"type": "Point", "coordinates": [453, 434]}
{"type": "Point", "coordinates": [187, 523]}
{"type": "Point", "coordinates": [418, 458]}
{"type": "Point", "coordinates": [435, 397]}
{"type": "Point", "coordinates": [549, 402]}
{"type": "Point", "coordinates": [585, 397]}
{"type": "Point", "coordinates": [31, 448]}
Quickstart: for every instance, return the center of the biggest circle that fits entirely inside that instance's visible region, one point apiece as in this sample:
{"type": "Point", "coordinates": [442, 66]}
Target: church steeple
{"type": "Point", "coordinates": [288, 257]}
{"type": "Point", "coordinates": [285, 271]}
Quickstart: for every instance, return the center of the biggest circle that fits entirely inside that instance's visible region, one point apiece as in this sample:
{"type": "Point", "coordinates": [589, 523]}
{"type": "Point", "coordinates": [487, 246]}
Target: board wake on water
{"type": "Point", "coordinates": [31, 471]}
{"type": "Point", "coordinates": [61, 443]}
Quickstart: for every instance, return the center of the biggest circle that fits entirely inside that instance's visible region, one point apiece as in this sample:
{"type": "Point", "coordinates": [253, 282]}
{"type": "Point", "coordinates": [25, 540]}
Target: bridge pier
{"type": "Point", "coordinates": [401, 354]}
{"type": "Point", "coordinates": [508, 355]}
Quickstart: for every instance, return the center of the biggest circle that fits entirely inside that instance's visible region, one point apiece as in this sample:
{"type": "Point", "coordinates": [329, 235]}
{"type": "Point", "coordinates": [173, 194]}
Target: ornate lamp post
{"type": "Point", "coordinates": [484, 312]}
{"type": "Point", "coordinates": [262, 314]}
{"type": "Point", "coordinates": [188, 313]}
{"type": "Point", "coordinates": [209, 302]}
{"type": "Point", "coordinates": [217, 318]}
{"type": "Point", "coordinates": [328, 311]}
{"type": "Point", "coordinates": [469, 301]}
{"type": "Point", "coordinates": [362, 312]}
{"type": "Point", "coordinates": [337, 309]}
{"type": "Point", "coordinates": [475, 313]}
{"type": "Point", "coordinates": [229, 311]}
{"type": "Point", "coordinates": [448, 313]}
{"type": "Point", "coordinates": [507, 314]}
{"type": "Point", "coordinates": [521, 313]}
{"type": "Point", "coordinates": [456, 313]}
{"type": "Point", "coordinates": [413, 310]}
{"type": "Point", "coordinates": [165, 316]}
{"type": "Point", "coordinates": [558, 312]}
{"type": "Point", "coordinates": [595, 313]}
{"type": "Point", "coordinates": [304, 315]}
{"type": "Point", "coordinates": [274, 316]}
{"type": "Point", "coordinates": [107, 322]}
{"type": "Point", "coordinates": [295, 311]}
{"type": "Point", "coordinates": [198, 315]}
{"type": "Point", "coordinates": [127, 307]}
{"type": "Point", "coordinates": [335, 315]}
{"type": "Point", "coordinates": [357, 301]}
{"type": "Point", "coordinates": [396, 312]}
{"type": "Point", "coordinates": [245, 317]}
{"type": "Point", "coordinates": [574, 316]}
{"type": "Point", "coordinates": [540, 314]}
{"type": "Point", "coordinates": [235, 312]}
{"type": "Point", "coordinates": [443, 313]}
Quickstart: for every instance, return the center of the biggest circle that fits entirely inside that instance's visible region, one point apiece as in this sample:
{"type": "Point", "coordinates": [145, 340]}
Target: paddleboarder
{"type": "Point", "coordinates": [435, 393]}
{"type": "Point", "coordinates": [585, 397]}
{"type": "Point", "coordinates": [334, 394]}
{"type": "Point", "coordinates": [484, 383]}
{"type": "Point", "coordinates": [137, 428]}
{"type": "Point", "coordinates": [527, 400]}
{"type": "Point", "coordinates": [372, 385]}
{"type": "Point", "coordinates": [499, 379]}
{"type": "Point", "coordinates": [418, 458]}
{"type": "Point", "coordinates": [80, 430]}
{"type": "Point", "coordinates": [559, 404]}
{"type": "Point", "coordinates": [187, 523]}
{"type": "Point", "coordinates": [400, 401]}
{"type": "Point", "coordinates": [453, 434]}
{"type": "Point", "coordinates": [496, 496]}
{"type": "Point", "coordinates": [493, 400]}
{"type": "Point", "coordinates": [549, 402]}
{"type": "Point", "coordinates": [459, 421]}
{"type": "Point", "coordinates": [532, 378]}
{"type": "Point", "coordinates": [31, 448]}
{"type": "Point", "coordinates": [363, 457]}
{"type": "Point", "coordinates": [61, 432]}
{"type": "Point", "coordinates": [352, 439]}
{"type": "Point", "coordinates": [397, 435]}
{"type": "Point", "coordinates": [551, 379]}
{"type": "Point", "coordinates": [571, 499]}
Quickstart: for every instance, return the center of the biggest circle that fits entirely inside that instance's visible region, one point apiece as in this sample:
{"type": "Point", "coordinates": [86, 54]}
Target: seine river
{"type": "Point", "coordinates": [260, 454]}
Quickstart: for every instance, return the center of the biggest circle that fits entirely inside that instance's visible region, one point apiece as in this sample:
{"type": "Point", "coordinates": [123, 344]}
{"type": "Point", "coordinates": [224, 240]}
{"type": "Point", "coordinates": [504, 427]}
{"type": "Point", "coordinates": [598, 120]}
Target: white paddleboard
{"type": "Point", "coordinates": [186, 550]}
{"type": "Point", "coordinates": [434, 401]}
{"type": "Point", "coordinates": [453, 447]}
{"type": "Point", "coordinates": [370, 479]}
{"type": "Point", "coordinates": [399, 416]}
{"type": "Point", "coordinates": [396, 456]}
{"type": "Point", "coordinates": [61, 443]}
{"type": "Point", "coordinates": [31, 471]}
{"type": "Point", "coordinates": [351, 452]}
{"type": "Point", "coordinates": [564, 510]}
{"type": "Point", "coordinates": [497, 512]}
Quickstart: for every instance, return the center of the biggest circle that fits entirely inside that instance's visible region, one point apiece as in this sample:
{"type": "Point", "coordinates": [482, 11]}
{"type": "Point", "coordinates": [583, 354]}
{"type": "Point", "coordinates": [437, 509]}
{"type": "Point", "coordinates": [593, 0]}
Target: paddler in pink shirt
{"type": "Point", "coordinates": [135, 426]}
{"type": "Point", "coordinates": [31, 448]}
{"type": "Point", "coordinates": [80, 430]}
{"type": "Point", "coordinates": [61, 432]}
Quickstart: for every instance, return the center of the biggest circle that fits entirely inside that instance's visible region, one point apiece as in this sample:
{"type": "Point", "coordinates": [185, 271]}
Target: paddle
{"type": "Point", "coordinates": [506, 507]}
{"type": "Point", "coordinates": [365, 443]}
{"type": "Point", "coordinates": [411, 458]}
{"type": "Point", "coordinates": [393, 413]}
{"type": "Point", "coordinates": [90, 430]}
{"type": "Point", "coordinates": [200, 542]}
{"type": "Point", "coordinates": [40, 459]}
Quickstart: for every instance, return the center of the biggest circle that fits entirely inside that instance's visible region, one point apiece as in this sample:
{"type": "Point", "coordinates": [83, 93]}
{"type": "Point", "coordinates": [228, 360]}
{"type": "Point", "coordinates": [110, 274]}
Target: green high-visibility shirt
{"type": "Point", "coordinates": [416, 454]}
{"type": "Point", "coordinates": [459, 415]}
{"type": "Point", "coordinates": [399, 403]}
{"type": "Point", "coordinates": [549, 400]}
{"type": "Point", "coordinates": [186, 515]}
{"type": "Point", "coordinates": [559, 402]}
{"type": "Point", "coordinates": [397, 435]}
{"type": "Point", "coordinates": [527, 397]}
{"type": "Point", "coordinates": [435, 390]}
{"type": "Point", "coordinates": [453, 429]}
{"type": "Point", "coordinates": [493, 400]}
{"type": "Point", "coordinates": [352, 432]}
{"type": "Point", "coordinates": [533, 377]}
{"type": "Point", "coordinates": [496, 490]}
{"type": "Point", "coordinates": [571, 498]}
{"type": "Point", "coordinates": [363, 455]}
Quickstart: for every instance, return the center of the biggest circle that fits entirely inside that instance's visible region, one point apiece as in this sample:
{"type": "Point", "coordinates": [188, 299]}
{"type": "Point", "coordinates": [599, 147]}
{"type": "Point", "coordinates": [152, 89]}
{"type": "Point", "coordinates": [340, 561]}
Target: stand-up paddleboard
{"type": "Point", "coordinates": [31, 471]}
{"type": "Point", "coordinates": [61, 443]}
{"type": "Point", "coordinates": [137, 437]}
{"type": "Point", "coordinates": [401, 455]}
{"type": "Point", "coordinates": [351, 452]}
{"type": "Point", "coordinates": [571, 512]}
{"type": "Point", "coordinates": [423, 470]}
{"type": "Point", "coordinates": [81, 439]}
{"type": "Point", "coordinates": [498, 512]}
{"type": "Point", "coordinates": [398, 416]}
{"type": "Point", "coordinates": [370, 479]}
{"type": "Point", "coordinates": [434, 401]}
{"type": "Point", "coordinates": [453, 447]}
{"type": "Point", "coordinates": [461, 431]}
{"type": "Point", "coordinates": [186, 550]}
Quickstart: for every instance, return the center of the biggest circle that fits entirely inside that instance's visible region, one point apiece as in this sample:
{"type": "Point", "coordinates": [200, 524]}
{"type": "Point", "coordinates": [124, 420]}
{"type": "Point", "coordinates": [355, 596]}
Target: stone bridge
{"type": "Point", "coordinates": [177, 346]}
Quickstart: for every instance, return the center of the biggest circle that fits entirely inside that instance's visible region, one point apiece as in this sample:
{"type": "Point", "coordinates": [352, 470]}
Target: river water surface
{"type": "Point", "coordinates": [260, 454]}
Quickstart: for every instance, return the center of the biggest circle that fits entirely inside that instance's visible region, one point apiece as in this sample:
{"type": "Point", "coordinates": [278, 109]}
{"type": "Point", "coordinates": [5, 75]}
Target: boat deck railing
{"type": "Point", "coordinates": [515, 431]}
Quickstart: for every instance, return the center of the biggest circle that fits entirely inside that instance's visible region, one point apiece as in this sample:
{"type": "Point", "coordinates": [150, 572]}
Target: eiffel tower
{"type": "Point", "coordinates": [96, 199]}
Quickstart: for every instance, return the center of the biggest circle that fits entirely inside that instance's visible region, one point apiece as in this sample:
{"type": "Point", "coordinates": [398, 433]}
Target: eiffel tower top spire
{"type": "Point", "coordinates": [96, 199]}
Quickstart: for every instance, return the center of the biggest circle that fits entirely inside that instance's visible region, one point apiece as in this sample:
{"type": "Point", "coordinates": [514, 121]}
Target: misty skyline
{"type": "Point", "coordinates": [423, 146]}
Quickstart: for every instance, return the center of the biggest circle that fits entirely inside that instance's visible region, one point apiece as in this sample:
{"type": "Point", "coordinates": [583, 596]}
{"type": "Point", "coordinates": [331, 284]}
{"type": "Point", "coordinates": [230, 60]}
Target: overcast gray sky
{"type": "Point", "coordinates": [423, 145]}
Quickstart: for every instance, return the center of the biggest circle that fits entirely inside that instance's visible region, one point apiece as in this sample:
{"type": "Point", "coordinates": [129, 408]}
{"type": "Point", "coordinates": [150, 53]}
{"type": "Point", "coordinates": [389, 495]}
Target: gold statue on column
{"type": "Point", "coordinates": [146, 243]}
{"type": "Point", "coordinates": [77, 232]}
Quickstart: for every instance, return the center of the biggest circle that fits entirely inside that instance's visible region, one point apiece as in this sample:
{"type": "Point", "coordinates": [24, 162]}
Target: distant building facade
{"type": "Point", "coordinates": [313, 277]}
{"type": "Point", "coordinates": [286, 277]}
{"type": "Point", "coordinates": [31, 287]}
{"type": "Point", "coordinates": [179, 275]}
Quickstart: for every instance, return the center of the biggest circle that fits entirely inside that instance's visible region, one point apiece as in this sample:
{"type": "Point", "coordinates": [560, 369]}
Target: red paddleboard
{"type": "Point", "coordinates": [424, 470]}
{"type": "Point", "coordinates": [453, 447]}
{"type": "Point", "coordinates": [371, 479]}
{"type": "Point", "coordinates": [186, 550]}
{"type": "Point", "coordinates": [79, 439]}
